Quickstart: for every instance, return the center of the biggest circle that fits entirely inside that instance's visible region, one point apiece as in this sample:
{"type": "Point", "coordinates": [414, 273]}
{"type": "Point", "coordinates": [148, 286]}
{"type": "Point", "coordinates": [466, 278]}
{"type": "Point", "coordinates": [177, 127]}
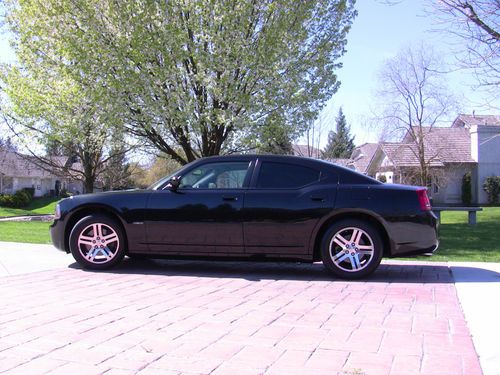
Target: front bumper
{"type": "Point", "coordinates": [57, 235]}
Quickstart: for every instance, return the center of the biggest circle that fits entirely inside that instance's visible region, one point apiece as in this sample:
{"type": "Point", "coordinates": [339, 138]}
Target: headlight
{"type": "Point", "coordinates": [57, 214]}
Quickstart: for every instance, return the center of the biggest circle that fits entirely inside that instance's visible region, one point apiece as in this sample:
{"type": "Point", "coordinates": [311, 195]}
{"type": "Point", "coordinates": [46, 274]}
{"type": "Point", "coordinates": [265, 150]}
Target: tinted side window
{"type": "Point", "coordinates": [226, 175]}
{"type": "Point", "coordinates": [285, 176]}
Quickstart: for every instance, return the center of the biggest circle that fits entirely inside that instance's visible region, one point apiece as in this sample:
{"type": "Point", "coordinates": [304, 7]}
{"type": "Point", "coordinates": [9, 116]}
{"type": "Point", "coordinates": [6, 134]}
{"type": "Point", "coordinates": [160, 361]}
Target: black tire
{"type": "Point", "coordinates": [97, 242]}
{"type": "Point", "coordinates": [350, 261]}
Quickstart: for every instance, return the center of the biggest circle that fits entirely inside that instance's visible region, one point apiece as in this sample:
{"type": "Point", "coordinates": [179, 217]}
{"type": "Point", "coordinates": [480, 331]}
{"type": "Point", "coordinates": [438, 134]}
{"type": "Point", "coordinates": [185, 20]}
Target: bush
{"type": "Point", "coordinates": [18, 200]}
{"type": "Point", "coordinates": [492, 187]}
{"type": "Point", "coordinates": [64, 193]}
{"type": "Point", "coordinates": [30, 191]}
{"type": "Point", "coordinates": [382, 178]}
{"type": "Point", "coordinates": [467, 189]}
{"type": "Point", "coordinates": [7, 200]}
{"type": "Point", "coordinates": [23, 198]}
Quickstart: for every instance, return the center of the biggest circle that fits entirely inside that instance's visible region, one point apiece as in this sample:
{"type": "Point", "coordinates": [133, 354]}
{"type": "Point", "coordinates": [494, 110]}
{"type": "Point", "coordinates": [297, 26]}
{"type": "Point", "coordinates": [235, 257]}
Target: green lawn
{"type": "Point", "coordinates": [459, 241]}
{"type": "Point", "coordinates": [472, 243]}
{"type": "Point", "coordinates": [38, 206]}
{"type": "Point", "coordinates": [25, 231]}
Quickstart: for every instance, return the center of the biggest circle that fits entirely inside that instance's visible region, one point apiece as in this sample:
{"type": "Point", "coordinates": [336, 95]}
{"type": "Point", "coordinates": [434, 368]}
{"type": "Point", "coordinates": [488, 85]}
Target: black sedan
{"type": "Point", "coordinates": [254, 207]}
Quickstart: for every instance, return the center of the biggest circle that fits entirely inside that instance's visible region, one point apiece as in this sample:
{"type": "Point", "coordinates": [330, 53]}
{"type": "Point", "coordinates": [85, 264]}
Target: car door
{"type": "Point", "coordinates": [203, 215]}
{"type": "Point", "coordinates": [283, 206]}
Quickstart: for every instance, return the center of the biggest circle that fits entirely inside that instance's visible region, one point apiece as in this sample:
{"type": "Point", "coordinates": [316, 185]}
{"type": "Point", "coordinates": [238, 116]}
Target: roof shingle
{"type": "Point", "coordinates": [441, 146]}
{"type": "Point", "coordinates": [464, 120]}
{"type": "Point", "coordinates": [13, 164]}
{"type": "Point", "coordinates": [363, 155]}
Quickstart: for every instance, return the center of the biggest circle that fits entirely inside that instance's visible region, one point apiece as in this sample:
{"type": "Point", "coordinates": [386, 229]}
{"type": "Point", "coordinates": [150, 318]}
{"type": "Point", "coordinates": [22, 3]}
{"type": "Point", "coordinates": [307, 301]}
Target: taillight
{"type": "Point", "coordinates": [423, 199]}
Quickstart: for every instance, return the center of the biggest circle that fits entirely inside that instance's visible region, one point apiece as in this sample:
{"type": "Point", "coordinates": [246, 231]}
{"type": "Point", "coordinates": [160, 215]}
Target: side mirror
{"type": "Point", "coordinates": [173, 183]}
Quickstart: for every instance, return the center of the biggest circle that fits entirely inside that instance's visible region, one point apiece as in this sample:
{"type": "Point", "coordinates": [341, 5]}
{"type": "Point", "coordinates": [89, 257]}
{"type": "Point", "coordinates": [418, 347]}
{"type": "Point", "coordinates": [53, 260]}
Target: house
{"type": "Point", "coordinates": [343, 162]}
{"type": "Point", "coordinates": [362, 156]}
{"type": "Point", "coordinates": [306, 150]}
{"type": "Point", "coordinates": [470, 144]}
{"type": "Point", "coordinates": [18, 171]}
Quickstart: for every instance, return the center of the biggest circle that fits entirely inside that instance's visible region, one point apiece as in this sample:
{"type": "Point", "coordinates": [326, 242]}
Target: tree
{"type": "Point", "coordinates": [492, 187]}
{"type": "Point", "coordinates": [57, 113]}
{"type": "Point", "coordinates": [275, 140]}
{"type": "Point", "coordinates": [312, 137]}
{"type": "Point", "coordinates": [340, 143]}
{"type": "Point", "coordinates": [117, 171]}
{"type": "Point", "coordinates": [67, 115]}
{"type": "Point", "coordinates": [414, 99]}
{"type": "Point", "coordinates": [158, 168]}
{"type": "Point", "coordinates": [475, 22]}
{"type": "Point", "coordinates": [201, 76]}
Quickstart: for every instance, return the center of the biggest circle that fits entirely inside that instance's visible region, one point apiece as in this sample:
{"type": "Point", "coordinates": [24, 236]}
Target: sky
{"type": "Point", "coordinates": [377, 34]}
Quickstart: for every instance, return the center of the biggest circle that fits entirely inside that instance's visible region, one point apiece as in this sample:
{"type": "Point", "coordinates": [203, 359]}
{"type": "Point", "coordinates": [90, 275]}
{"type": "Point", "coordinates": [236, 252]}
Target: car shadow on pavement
{"type": "Point", "coordinates": [393, 272]}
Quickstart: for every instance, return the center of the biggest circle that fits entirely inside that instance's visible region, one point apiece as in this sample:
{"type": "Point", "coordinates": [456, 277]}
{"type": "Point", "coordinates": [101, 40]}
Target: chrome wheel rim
{"type": "Point", "coordinates": [98, 243]}
{"type": "Point", "coordinates": [351, 249]}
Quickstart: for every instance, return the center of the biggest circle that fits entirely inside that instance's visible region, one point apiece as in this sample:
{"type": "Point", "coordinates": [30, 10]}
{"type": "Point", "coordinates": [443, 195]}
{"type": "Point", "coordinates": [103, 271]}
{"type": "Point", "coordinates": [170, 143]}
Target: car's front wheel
{"type": "Point", "coordinates": [97, 242]}
{"type": "Point", "coordinates": [351, 249]}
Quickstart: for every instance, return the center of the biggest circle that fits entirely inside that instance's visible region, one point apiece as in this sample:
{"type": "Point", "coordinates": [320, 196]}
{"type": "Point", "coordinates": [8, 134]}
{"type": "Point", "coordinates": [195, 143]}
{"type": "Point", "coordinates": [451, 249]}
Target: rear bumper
{"type": "Point", "coordinates": [427, 251]}
{"type": "Point", "coordinates": [416, 236]}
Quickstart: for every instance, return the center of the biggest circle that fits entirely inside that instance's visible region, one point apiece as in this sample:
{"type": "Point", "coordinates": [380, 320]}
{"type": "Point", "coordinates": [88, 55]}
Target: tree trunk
{"type": "Point", "coordinates": [88, 184]}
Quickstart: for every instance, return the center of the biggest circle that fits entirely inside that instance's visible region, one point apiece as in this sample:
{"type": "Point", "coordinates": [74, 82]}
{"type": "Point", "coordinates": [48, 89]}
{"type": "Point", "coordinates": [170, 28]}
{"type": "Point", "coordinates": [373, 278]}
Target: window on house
{"type": "Point", "coordinates": [8, 183]}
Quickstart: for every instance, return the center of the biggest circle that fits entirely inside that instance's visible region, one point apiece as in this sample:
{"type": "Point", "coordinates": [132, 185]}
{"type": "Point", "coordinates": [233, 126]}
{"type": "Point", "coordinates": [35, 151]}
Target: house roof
{"type": "Point", "coordinates": [306, 150]}
{"type": "Point", "coordinates": [363, 155]}
{"type": "Point", "coordinates": [405, 155]}
{"type": "Point", "coordinates": [13, 164]}
{"type": "Point", "coordinates": [342, 162]}
{"type": "Point", "coordinates": [467, 121]}
{"type": "Point", "coordinates": [441, 146]}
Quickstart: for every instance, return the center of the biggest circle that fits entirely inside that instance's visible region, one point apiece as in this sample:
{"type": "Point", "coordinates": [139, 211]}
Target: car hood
{"type": "Point", "coordinates": [119, 200]}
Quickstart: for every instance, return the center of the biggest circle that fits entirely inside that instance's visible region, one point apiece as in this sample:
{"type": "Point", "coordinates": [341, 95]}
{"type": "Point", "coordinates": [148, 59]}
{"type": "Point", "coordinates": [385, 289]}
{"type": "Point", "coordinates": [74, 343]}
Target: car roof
{"type": "Point", "coordinates": [278, 158]}
{"type": "Point", "coordinates": [290, 158]}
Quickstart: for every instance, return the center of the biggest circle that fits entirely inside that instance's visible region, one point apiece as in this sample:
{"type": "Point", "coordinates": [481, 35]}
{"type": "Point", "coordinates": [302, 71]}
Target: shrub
{"type": "Point", "coordinates": [20, 199]}
{"type": "Point", "coordinates": [23, 198]}
{"type": "Point", "coordinates": [7, 200]}
{"type": "Point", "coordinates": [382, 178]}
{"type": "Point", "coordinates": [65, 194]}
{"type": "Point", "coordinates": [467, 189]}
{"type": "Point", "coordinates": [30, 191]}
{"type": "Point", "coordinates": [492, 187]}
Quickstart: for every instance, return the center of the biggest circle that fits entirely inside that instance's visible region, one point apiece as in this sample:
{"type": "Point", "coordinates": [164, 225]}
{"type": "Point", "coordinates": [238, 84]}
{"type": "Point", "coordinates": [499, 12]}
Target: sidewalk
{"type": "Point", "coordinates": [478, 288]}
{"type": "Point", "coordinates": [21, 258]}
{"type": "Point", "coordinates": [171, 317]}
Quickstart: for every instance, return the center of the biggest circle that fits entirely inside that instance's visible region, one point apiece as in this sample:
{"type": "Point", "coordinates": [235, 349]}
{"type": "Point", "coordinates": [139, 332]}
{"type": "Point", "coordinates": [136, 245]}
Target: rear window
{"type": "Point", "coordinates": [285, 176]}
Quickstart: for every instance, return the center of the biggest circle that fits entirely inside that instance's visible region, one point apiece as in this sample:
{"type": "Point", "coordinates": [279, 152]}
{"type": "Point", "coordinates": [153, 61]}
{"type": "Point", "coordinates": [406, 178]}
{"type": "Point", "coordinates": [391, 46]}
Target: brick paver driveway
{"type": "Point", "coordinates": [169, 317]}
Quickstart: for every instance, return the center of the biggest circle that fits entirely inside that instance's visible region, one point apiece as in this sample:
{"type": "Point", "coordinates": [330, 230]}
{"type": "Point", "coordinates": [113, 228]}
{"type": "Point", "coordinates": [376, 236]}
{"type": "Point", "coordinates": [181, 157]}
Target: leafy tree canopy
{"type": "Point", "coordinates": [200, 76]}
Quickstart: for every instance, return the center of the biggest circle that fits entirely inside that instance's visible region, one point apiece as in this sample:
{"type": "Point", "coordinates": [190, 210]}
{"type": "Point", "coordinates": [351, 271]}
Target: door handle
{"type": "Point", "coordinates": [317, 199]}
{"type": "Point", "coordinates": [229, 198]}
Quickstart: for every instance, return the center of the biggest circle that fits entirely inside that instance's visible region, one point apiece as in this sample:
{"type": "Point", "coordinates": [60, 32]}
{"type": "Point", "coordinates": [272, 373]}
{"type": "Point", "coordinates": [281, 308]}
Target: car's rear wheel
{"type": "Point", "coordinates": [97, 242]}
{"type": "Point", "coordinates": [351, 249]}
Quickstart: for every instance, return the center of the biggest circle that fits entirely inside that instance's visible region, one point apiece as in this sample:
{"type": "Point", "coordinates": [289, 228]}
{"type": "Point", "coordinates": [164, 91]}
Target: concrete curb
{"type": "Point", "coordinates": [44, 218]}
